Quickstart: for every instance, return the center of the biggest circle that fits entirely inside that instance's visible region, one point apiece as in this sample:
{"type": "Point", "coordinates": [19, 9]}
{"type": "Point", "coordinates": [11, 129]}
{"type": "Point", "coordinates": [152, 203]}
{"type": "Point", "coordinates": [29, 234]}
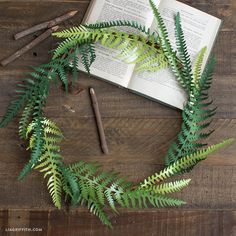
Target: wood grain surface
{"type": "Point", "coordinates": [138, 132]}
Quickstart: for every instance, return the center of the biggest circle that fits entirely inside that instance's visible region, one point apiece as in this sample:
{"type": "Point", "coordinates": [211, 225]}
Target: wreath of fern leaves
{"type": "Point", "coordinates": [83, 183]}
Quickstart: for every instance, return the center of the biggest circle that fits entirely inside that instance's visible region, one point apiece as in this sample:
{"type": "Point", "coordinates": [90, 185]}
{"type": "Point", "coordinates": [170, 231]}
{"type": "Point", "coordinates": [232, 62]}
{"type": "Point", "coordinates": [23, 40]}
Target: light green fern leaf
{"type": "Point", "coordinates": [198, 67]}
{"type": "Point", "coordinates": [183, 164]}
{"type": "Point", "coordinates": [133, 47]}
{"type": "Point", "coordinates": [25, 120]}
{"type": "Point", "coordinates": [50, 162]}
{"type": "Point", "coordinates": [171, 187]}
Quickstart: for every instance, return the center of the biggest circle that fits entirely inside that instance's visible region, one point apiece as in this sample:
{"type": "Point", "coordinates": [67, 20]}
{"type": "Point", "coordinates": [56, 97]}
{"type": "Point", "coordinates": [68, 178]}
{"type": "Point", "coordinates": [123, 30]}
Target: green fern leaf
{"type": "Point", "coordinates": [28, 90]}
{"type": "Point", "coordinates": [120, 23]}
{"type": "Point", "coordinates": [75, 64]}
{"type": "Point", "coordinates": [183, 51]}
{"type": "Point", "coordinates": [36, 150]}
{"type": "Point", "coordinates": [97, 210]}
{"type": "Point", "coordinates": [166, 46]}
{"type": "Point", "coordinates": [184, 163]}
{"type": "Point", "coordinates": [63, 78]}
{"type": "Point", "coordinates": [84, 52]}
{"type": "Point", "coordinates": [141, 198]}
{"type": "Point", "coordinates": [132, 46]}
{"type": "Point", "coordinates": [171, 187]}
{"type": "Point", "coordinates": [70, 184]}
{"type": "Point", "coordinates": [198, 67]}
{"type": "Point", "coordinates": [25, 120]}
{"type": "Point", "coordinates": [50, 162]}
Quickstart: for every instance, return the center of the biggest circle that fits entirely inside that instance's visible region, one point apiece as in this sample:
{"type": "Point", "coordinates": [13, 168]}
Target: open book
{"type": "Point", "coordinates": [200, 30]}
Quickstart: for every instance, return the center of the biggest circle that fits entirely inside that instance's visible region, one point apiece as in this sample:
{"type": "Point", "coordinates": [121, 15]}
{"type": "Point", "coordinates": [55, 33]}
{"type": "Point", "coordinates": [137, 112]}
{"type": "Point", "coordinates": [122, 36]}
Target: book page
{"type": "Point", "coordinates": [200, 30]}
{"type": "Point", "coordinates": [107, 65]}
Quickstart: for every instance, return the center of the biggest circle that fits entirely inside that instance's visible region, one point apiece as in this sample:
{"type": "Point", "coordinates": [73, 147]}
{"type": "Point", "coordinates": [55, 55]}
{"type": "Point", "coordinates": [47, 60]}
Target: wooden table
{"type": "Point", "coordinates": [139, 132]}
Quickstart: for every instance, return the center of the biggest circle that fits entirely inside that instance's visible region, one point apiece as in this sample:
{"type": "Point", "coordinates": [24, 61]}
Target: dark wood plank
{"type": "Point", "coordinates": [81, 223]}
{"type": "Point", "coordinates": [115, 102]}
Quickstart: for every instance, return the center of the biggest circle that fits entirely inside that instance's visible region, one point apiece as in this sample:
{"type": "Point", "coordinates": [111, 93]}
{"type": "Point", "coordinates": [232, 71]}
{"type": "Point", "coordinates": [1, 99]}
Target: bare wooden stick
{"type": "Point", "coordinates": [44, 25]}
{"type": "Point", "coordinates": [99, 121]}
{"type": "Point", "coordinates": [29, 46]}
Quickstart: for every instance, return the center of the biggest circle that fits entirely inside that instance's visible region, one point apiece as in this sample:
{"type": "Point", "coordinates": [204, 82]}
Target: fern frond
{"type": "Point", "coordinates": [108, 188]}
{"type": "Point", "coordinates": [50, 162]}
{"type": "Point", "coordinates": [171, 187]}
{"type": "Point", "coordinates": [103, 187]}
{"type": "Point", "coordinates": [133, 47]}
{"type": "Point", "coordinates": [167, 48]}
{"type": "Point", "coordinates": [25, 120]}
{"type": "Point", "coordinates": [183, 51]}
{"type": "Point", "coordinates": [50, 165]}
{"type": "Point", "coordinates": [198, 67]}
{"type": "Point", "coordinates": [184, 163]}
{"type": "Point", "coordinates": [12, 110]}
{"type": "Point", "coordinates": [51, 126]}
{"type": "Point", "coordinates": [121, 23]}
{"type": "Point", "coordinates": [37, 133]}
{"type": "Point", "coordinates": [96, 209]}
{"type": "Point", "coordinates": [91, 49]}
{"type": "Point", "coordinates": [65, 46]}
{"type": "Point", "coordinates": [206, 77]}
{"type": "Point", "coordinates": [63, 78]}
{"type": "Point", "coordinates": [36, 149]}
{"type": "Point", "coordinates": [141, 198]}
{"type": "Point", "coordinates": [70, 184]}
{"type": "Point", "coordinates": [197, 116]}
{"type": "Point", "coordinates": [26, 92]}
{"type": "Point", "coordinates": [84, 51]}
{"type": "Point", "coordinates": [80, 31]}
{"type": "Point", "coordinates": [75, 64]}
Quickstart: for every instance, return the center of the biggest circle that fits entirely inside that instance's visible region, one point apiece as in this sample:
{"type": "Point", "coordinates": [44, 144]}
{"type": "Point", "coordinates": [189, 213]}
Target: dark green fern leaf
{"type": "Point", "coordinates": [84, 51]}
{"type": "Point", "coordinates": [91, 49]}
{"type": "Point", "coordinates": [197, 115]}
{"type": "Point", "coordinates": [26, 91]}
{"type": "Point", "coordinates": [12, 110]}
{"type": "Point", "coordinates": [75, 64]}
{"type": "Point", "coordinates": [166, 46]}
{"type": "Point", "coordinates": [63, 78]}
{"type": "Point", "coordinates": [120, 23]}
{"type": "Point", "coordinates": [96, 209]}
{"type": "Point", "coordinates": [70, 184]}
{"type": "Point", "coordinates": [183, 51]}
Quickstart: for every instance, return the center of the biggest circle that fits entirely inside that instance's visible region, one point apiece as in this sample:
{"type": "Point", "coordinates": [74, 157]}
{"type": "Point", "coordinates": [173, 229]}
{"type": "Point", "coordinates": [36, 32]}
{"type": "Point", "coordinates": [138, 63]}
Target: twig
{"type": "Point", "coordinates": [44, 25]}
{"type": "Point", "coordinates": [99, 121]}
{"type": "Point", "coordinates": [29, 46]}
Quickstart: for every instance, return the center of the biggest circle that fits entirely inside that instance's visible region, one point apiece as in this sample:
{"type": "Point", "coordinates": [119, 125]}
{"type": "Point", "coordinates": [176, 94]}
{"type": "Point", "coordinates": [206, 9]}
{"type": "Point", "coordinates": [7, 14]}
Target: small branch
{"type": "Point", "coordinates": [99, 121]}
{"type": "Point", "coordinates": [45, 25]}
{"type": "Point", "coordinates": [29, 46]}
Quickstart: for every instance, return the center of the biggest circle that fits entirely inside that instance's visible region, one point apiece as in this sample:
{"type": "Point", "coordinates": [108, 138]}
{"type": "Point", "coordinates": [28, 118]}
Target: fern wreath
{"type": "Point", "coordinates": [82, 183]}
